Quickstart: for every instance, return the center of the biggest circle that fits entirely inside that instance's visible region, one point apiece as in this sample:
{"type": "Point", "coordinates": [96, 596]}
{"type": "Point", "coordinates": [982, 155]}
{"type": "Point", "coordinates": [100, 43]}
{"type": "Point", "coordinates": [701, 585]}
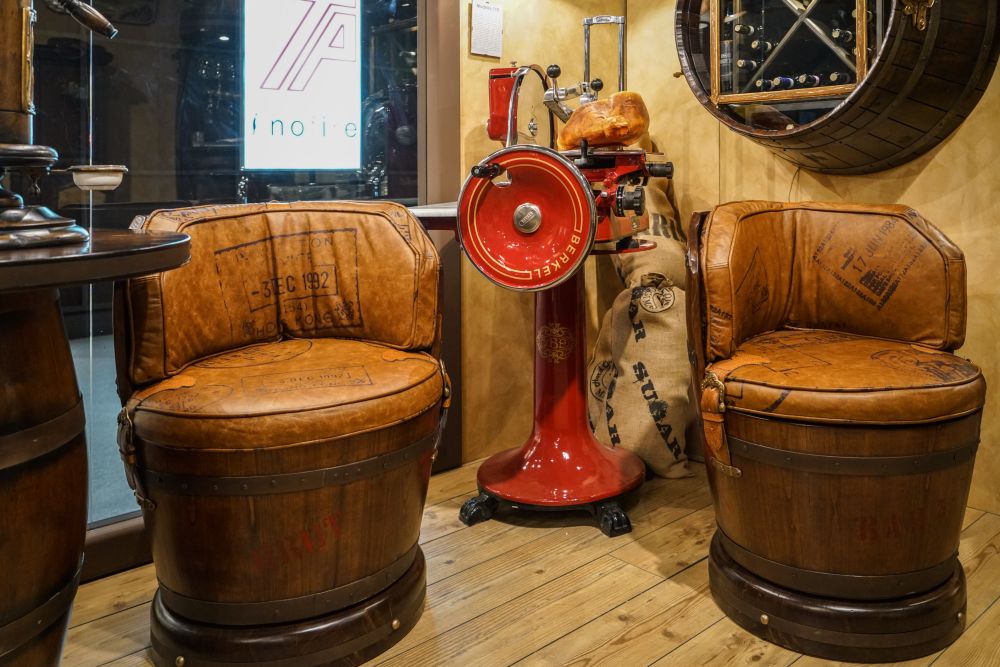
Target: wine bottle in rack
{"type": "Point", "coordinates": [726, 60]}
{"type": "Point", "coordinates": [808, 80]}
{"type": "Point", "coordinates": [761, 45]}
{"type": "Point", "coordinates": [782, 83]}
{"type": "Point", "coordinates": [842, 36]}
{"type": "Point", "coordinates": [742, 63]}
{"type": "Point", "coordinates": [763, 85]}
{"type": "Point", "coordinates": [744, 29]}
{"type": "Point", "coordinates": [840, 78]}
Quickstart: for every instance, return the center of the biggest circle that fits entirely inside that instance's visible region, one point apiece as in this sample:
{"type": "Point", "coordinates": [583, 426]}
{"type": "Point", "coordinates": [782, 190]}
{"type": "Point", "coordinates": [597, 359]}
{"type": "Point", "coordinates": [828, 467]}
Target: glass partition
{"type": "Point", "coordinates": [166, 99]}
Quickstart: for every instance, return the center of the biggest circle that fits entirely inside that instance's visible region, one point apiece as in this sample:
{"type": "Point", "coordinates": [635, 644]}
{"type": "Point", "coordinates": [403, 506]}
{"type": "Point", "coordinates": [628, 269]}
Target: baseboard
{"type": "Point", "coordinates": [114, 546]}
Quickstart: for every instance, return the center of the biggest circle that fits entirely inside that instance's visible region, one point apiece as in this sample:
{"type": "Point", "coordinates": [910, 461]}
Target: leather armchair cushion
{"type": "Point", "coordinates": [287, 393]}
{"type": "Point", "coordinates": [822, 376]}
{"type": "Point", "coordinates": [261, 272]}
{"type": "Point", "coordinates": [873, 270]}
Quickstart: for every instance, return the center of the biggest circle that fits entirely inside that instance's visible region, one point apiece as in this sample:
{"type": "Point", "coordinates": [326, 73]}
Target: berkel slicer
{"type": "Point", "coordinates": [25, 225]}
{"type": "Point", "coordinates": [528, 217]}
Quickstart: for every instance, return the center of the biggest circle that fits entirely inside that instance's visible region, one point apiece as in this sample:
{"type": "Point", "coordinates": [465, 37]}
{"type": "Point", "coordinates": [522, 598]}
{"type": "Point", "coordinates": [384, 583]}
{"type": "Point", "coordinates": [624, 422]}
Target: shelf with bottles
{"type": "Point", "coordinates": [773, 50]}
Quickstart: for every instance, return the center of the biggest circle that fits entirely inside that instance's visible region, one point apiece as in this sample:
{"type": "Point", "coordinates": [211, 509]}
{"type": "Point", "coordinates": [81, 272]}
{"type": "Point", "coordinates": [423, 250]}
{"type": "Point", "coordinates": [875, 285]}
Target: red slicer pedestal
{"type": "Point", "coordinates": [562, 466]}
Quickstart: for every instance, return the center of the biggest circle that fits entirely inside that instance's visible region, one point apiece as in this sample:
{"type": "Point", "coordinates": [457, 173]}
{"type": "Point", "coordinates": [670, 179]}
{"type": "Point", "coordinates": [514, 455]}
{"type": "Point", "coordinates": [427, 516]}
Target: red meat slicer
{"type": "Point", "coordinates": [528, 217]}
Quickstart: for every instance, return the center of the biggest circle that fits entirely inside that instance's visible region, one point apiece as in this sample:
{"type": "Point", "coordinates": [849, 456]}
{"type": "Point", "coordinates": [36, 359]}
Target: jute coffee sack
{"type": "Point", "coordinates": [639, 371]}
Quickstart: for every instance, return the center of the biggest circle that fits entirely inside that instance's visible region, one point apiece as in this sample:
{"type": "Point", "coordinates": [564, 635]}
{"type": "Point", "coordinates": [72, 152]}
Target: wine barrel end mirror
{"type": "Point", "coordinates": [840, 429]}
{"type": "Point", "coordinates": [840, 86]}
{"type": "Point", "coordinates": [283, 402]}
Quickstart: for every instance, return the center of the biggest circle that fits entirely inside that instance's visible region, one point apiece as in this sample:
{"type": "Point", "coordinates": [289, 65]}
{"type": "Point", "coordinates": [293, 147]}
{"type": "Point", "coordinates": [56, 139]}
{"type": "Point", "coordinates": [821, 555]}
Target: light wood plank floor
{"type": "Point", "coordinates": [551, 589]}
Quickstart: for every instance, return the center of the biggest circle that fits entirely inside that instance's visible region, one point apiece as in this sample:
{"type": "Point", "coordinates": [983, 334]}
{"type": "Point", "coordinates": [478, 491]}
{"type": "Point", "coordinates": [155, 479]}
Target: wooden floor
{"type": "Point", "coordinates": [551, 589]}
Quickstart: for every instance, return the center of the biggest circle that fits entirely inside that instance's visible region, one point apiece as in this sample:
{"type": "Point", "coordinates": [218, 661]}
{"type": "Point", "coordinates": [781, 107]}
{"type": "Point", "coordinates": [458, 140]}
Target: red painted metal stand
{"type": "Point", "coordinates": [562, 465]}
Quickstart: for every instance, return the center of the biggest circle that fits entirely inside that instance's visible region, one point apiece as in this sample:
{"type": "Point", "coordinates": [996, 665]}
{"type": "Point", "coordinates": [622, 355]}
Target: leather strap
{"type": "Point", "coordinates": [713, 407]}
{"type": "Point", "coordinates": [265, 485]}
{"type": "Point", "coordinates": [695, 298]}
{"type": "Point", "coordinates": [843, 586]}
{"type": "Point", "coordinates": [37, 441]}
{"type": "Point", "coordinates": [20, 631]}
{"type": "Point", "coordinates": [290, 609]}
{"type": "Point", "coordinates": [713, 392]}
{"type": "Point", "coordinates": [827, 464]}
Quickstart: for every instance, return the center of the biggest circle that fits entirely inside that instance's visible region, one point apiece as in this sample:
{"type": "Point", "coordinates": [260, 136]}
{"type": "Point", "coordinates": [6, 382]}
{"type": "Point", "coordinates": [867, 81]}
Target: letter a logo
{"type": "Point", "coordinates": [328, 31]}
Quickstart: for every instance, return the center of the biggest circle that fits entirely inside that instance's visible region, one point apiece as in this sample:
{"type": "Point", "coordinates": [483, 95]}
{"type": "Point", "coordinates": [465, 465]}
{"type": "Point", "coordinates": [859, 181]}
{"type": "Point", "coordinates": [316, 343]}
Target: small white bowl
{"type": "Point", "coordinates": [98, 176]}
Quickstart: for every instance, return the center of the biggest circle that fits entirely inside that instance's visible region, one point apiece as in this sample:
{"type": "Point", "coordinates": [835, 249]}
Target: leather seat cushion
{"type": "Point", "coordinates": [286, 393]}
{"type": "Point", "coordinates": [824, 376]}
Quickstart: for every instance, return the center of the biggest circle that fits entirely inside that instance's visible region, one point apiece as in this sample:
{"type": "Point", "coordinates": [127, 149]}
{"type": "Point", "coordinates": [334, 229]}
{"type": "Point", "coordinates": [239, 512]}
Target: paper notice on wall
{"type": "Point", "coordinates": [487, 29]}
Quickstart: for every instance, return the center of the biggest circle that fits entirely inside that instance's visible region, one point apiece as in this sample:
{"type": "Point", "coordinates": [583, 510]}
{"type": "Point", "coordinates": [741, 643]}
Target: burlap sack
{"type": "Point", "coordinates": [639, 371]}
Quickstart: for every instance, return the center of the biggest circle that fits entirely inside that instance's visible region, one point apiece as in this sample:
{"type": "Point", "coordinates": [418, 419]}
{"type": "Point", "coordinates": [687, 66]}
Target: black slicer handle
{"type": "Point", "coordinates": [89, 17]}
{"type": "Point", "coordinates": [660, 169]}
{"type": "Point", "coordinates": [486, 171]}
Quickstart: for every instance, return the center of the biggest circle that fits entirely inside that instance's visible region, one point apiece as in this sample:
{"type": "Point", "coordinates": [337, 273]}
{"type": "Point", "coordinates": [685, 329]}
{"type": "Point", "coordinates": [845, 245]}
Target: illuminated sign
{"type": "Point", "coordinates": [301, 84]}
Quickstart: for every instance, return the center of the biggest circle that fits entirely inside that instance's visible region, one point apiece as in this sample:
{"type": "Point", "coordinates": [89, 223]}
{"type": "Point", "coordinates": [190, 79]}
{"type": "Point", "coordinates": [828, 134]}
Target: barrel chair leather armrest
{"type": "Point", "coordinates": [696, 317]}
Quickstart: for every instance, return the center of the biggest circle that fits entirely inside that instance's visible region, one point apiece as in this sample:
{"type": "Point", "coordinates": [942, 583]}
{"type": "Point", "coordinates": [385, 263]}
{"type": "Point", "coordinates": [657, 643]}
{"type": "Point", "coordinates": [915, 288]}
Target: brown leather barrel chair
{"type": "Point", "coordinates": [840, 429]}
{"type": "Point", "coordinates": [283, 401]}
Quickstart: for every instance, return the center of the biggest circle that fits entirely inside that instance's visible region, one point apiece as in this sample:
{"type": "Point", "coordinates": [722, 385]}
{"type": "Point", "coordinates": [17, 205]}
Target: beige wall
{"type": "Point", "coordinates": [956, 186]}
{"type": "Point", "coordinates": [497, 324]}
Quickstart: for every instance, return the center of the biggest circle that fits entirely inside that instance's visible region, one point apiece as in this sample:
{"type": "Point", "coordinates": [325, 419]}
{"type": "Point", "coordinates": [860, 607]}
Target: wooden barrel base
{"type": "Point", "coordinates": [349, 636]}
{"type": "Point", "coordinates": [849, 630]}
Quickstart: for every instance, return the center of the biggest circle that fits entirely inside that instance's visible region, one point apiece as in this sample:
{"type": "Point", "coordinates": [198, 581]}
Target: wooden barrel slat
{"type": "Point", "coordinates": [896, 134]}
{"type": "Point", "coordinates": [44, 498]}
{"type": "Point", "coordinates": [929, 80]}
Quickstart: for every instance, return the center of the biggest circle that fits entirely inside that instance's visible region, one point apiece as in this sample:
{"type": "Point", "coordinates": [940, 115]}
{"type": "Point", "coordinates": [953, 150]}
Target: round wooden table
{"type": "Point", "coordinates": [43, 455]}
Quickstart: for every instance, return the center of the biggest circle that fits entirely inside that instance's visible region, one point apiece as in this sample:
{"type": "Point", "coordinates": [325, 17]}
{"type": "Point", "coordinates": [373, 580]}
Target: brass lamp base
{"type": "Point", "coordinates": [32, 226]}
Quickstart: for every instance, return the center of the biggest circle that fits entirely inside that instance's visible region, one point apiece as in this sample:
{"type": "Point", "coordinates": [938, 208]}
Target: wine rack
{"type": "Point", "coordinates": [780, 50]}
{"type": "Point", "coordinates": [840, 86]}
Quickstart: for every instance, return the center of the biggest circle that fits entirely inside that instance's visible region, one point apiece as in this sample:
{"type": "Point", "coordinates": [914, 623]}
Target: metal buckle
{"type": "Point", "coordinates": [712, 381]}
{"type": "Point", "coordinates": [727, 470]}
{"type": "Point", "coordinates": [126, 449]}
{"type": "Point", "coordinates": [445, 405]}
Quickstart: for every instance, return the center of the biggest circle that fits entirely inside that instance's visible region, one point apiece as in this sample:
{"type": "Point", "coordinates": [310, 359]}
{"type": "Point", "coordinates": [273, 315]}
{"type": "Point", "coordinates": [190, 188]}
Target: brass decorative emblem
{"type": "Point", "coordinates": [554, 342]}
{"type": "Point", "coordinates": [918, 10]}
{"type": "Point", "coordinates": [28, 17]}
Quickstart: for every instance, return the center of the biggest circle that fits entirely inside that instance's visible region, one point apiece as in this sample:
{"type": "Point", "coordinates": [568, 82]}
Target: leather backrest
{"type": "Point", "coordinates": [259, 272]}
{"type": "Point", "coordinates": [873, 270]}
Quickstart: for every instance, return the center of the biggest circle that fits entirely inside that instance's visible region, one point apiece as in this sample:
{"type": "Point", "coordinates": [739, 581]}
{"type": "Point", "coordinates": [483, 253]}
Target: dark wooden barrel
{"type": "Point", "coordinates": [838, 529]}
{"type": "Point", "coordinates": [832, 534]}
{"type": "Point", "coordinates": [922, 86]}
{"type": "Point", "coordinates": [853, 512]}
{"type": "Point", "coordinates": [303, 554]}
{"type": "Point", "coordinates": [43, 492]}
